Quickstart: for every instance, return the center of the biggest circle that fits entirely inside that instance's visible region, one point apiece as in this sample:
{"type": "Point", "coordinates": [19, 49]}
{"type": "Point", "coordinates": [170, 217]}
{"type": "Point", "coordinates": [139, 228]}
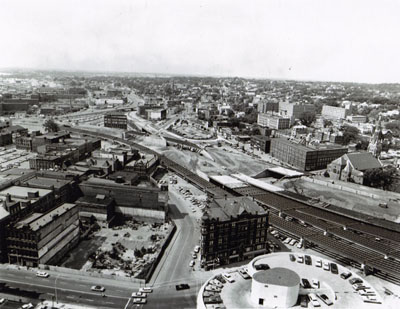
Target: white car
{"type": "Point", "coordinates": [145, 290]}
{"type": "Point", "coordinates": [139, 295]}
{"type": "Point", "coordinates": [191, 264]}
{"type": "Point", "coordinates": [287, 240]}
{"type": "Point", "coordinates": [313, 300]}
{"type": "Point", "coordinates": [197, 249]}
{"type": "Point", "coordinates": [318, 263]}
{"type": "Point", "coordinates": [139, 300]}
{"type": "Point", "coordinates": [228, 277]}
{"type": "Point", "coordinates": [42, 274]}
{"type": "Point", "coordinates": [2, 300]}
{"type": "Point", "coordinates": [28, 306]}
{"type": "Point", "coordinates": [315, 283]}
{"type": "Point", "coordinates": [98, 288]}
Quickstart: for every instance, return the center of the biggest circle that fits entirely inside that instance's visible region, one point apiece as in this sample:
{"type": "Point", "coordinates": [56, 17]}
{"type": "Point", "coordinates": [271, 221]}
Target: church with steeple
{"type": "Point", "coordinates": [375, 144]}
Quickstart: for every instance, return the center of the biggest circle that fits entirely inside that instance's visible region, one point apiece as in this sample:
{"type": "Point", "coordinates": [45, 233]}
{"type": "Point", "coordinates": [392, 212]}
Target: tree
{"type": "Point", "coordinates": [379, 177]}
{"type": "Point", "coordinates": [307, 118]}
{"type": "Point", "coordinates": [350, 134]}
{"type": "Point", "coordinates": [362, 144]}
{"type": "Point", "coordinates": [51, 126]}
{"type": "Point", "coordinates": [327, 123]}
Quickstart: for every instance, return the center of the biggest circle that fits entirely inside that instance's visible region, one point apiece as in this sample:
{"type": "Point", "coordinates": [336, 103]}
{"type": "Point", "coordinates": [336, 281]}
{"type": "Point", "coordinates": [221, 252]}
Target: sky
{"type": "Point", "coordinates": [340, 40]}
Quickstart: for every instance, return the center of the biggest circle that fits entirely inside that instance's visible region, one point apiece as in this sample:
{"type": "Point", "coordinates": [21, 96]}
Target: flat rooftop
{"type": "Point", "coordinates": [47, 182]}
{"type": "Point", "coordinates": [284, 171]}
{"type": "Point", "coordinates": [309, 147]}
{"type": "Point", "coordinates": [228, 181]}
{"type": "Point", "coordinates": [277, 276]}
{"type": "Point", "coordinates": [38, 220]}
{"type": "Point", "coordinates": [22, 192]}
{"type": "Point", "coordinates": [257, 183]}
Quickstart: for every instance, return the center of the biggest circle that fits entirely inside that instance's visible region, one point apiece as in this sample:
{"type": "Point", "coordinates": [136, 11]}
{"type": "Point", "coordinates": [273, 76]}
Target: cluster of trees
{"type": "Point", "coordinates": [350, 134]}
{"type": "Point", "coordinates": [307, 118]}
{"type": "Point", "coordinates": [394, 126]}
{"type": "Point", "coordinates": [379, 177]}
{"type": "Point", "coordinates": [51, 126]}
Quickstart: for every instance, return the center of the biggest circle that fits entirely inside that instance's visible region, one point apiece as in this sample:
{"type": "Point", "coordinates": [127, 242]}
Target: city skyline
{"type": "Point", "coordinates": [306, 40]}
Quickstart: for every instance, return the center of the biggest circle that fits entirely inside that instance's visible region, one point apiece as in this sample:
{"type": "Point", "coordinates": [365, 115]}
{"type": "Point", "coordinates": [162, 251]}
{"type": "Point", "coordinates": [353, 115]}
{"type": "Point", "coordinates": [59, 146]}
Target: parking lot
{"type": "Point", "coordinates": [10, 157]}
{"type": "Point", "coordinates": [322, 282]}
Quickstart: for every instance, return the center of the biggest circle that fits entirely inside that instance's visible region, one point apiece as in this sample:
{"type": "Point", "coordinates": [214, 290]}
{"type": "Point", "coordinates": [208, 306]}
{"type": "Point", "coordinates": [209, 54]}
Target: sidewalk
{"type": "Point", "coordinates": [50, 304]}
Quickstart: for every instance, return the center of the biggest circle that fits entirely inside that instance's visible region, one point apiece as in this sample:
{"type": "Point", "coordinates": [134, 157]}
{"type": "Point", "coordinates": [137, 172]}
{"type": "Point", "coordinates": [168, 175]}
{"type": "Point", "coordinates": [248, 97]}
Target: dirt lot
{"type": "Point", "coordinates": [124, 250]}
{"type": "Point", "coordinates": [343, 199]}
{"type": "Point", "coordinates": [80, 254]}
{"type": "Point", "coordinates": [217, 160]}
{"type": "Point", "coordinates": [128, 249]}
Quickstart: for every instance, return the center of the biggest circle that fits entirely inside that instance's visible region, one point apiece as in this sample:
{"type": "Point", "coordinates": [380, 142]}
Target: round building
{"type": "Point", "coordinates": [276, 287]}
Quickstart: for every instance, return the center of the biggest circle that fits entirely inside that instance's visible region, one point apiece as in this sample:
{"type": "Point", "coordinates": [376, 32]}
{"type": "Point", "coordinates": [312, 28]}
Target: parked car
{"type": "Point", "coordinates": [292, 257]}
{"type": "Point", "coordinates": [307, 259]}
{"type": "Point", "coordinates": [334, 269]}
{"type": "Point", "coordinates": [313, 300]}
{"type": "Point", "coordinates": [139, 295]}
{"type": "Point", "coordinates": [315, 283]}
{"type": "Point", "coordinates": [304, 301]}
{"type": "Point", "coordinates": [300, 259]}
{"type": "Point", "coordinates": [244, 274]}
{"type": "Point", "coordinates": [287, 240]}
{"type": "Point", "coordinates": [318, 263]}
{"type": "Point", "coordinates": [98, 288]}
{"type": "Point", "coordinates": [228, 277]}
{"type": "Point", "coordinates": [139, 300]}
{"type": "Point", "coordinates": [355, 280]}
{"type": "Point", "coordinates": [345, 275]}
{"type": "Point", "coordinates": [28, 306]}
{"type": "Point", "coordinates": [191, 264]}
{"type": "Point", "coordinates": [327, 266]}
{"type": "Point", "coordinates": [261, 266]}
{"type": "Point", "coordinates": [197, 249]}
{"type": "Point", "coordinates": [325, 299]}
{"type": "Point", "coordinates": [194, 255]}
{"type": "Point", "coordinates": [145, 290]}
{"type": "Point", "coordinates": [42, 274]}
{"type": "Point", "coordinates": [306, 284]}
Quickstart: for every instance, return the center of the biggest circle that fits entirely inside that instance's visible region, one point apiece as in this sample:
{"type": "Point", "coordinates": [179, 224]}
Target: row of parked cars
{"type": "Point", "coordinates": [188, 195]}
{"type": "Point", "coordinates": [365, 291]}
{"type": "Point", "coordinates": [140, 297]}
{"type": "Point", "coordinates": [318, 263]}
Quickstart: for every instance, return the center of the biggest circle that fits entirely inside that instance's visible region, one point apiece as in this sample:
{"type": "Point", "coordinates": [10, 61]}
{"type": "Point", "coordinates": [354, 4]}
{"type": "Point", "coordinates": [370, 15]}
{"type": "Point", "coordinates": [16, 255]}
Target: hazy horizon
{"type": "Point", "coordinates": [305, 40]}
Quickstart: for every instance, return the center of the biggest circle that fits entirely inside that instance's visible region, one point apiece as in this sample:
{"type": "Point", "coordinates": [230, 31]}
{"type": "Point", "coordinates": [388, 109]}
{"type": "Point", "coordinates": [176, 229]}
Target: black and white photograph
{"type": "Point", "coordinates": [201, 154]}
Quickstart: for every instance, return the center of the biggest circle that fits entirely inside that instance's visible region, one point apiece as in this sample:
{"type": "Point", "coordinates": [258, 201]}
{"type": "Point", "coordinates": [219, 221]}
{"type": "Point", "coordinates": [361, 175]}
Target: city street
{"type": "Point", "coordinates": [68, 288]}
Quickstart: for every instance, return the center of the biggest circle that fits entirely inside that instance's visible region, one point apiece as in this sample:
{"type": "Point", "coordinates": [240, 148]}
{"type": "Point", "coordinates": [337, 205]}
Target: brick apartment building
{"type": "Point", "coordinates": [305, 158]}
{"type": "Point", "coordinates": [43, 238]}
{"type": "Point", "coordinates": [232, 230]}
{"type": "Point", "coordinates": [116, 120]}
